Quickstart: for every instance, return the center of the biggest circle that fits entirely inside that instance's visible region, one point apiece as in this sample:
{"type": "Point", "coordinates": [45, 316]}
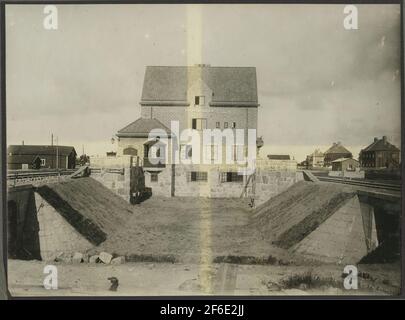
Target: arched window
{"type": "Point", "coordinates": [130, 151]}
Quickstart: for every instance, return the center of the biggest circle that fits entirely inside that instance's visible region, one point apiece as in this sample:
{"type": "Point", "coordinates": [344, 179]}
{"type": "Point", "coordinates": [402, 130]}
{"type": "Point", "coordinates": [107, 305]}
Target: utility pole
{"type": "Point", "coordinates": [57, 154]}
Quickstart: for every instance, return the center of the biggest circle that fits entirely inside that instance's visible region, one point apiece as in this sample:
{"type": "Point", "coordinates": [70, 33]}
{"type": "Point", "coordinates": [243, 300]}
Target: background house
{"type": "Point", "coordinates": [380, 154]}
{"type": "Point", "coordinates": [315, 159]}
{"type": "Point", "coordinates": [40, 156]}
{"type": "Point", "coordinates": [336, 151]}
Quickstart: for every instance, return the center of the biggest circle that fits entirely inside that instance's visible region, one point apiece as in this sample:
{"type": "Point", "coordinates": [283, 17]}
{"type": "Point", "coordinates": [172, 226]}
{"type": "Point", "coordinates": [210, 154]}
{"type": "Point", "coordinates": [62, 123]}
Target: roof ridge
{"type": "Point", "coordinates": [182, 66]}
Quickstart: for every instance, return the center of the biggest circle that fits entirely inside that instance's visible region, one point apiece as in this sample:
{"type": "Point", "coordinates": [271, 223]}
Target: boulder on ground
{"type": "Point", "coordinates": [63, 257]}
{"type": "Point", "coordinates": [118, 260]}
{"type": "Point", "coordinates": [85, 258]}
{"type": "Point", "coordinates": [105, 257]}
{"type": "Point", "coordinates": [94, 259]}
{"type": "Point", "coordinates": [77, 257]}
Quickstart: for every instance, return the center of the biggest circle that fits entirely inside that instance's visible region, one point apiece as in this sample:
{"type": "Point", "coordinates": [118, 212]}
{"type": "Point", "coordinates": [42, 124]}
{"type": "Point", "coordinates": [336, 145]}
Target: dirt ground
{"type": "Point", "coordinates": [189, 230]}
{"type": "Point", "coordinates": [166, 279]}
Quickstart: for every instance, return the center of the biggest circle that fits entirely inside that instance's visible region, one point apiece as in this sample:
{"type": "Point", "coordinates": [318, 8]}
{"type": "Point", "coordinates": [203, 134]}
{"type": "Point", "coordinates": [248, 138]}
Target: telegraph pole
{"type": "Point", "coordinates": [57, 154]}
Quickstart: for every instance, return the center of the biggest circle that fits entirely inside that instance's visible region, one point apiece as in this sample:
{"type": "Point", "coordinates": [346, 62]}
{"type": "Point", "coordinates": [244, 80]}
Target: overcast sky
{"type": "Point", "coordinates": [317, 82]}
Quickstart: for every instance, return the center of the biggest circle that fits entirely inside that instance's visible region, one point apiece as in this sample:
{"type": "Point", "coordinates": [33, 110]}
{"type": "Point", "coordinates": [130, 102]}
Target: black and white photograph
{"type": "Point", "coordinates": [186, 150]}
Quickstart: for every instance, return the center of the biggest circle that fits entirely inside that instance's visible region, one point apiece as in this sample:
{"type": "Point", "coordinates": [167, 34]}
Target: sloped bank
{"type": "Point", "coordinates": [319, 221]}
{"type": "Point", "coordinates": [77, 215]}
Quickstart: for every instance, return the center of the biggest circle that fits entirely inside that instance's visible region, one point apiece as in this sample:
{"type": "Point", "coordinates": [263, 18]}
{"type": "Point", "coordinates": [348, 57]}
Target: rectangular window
{"type": "Point", "coordinates": [225, 125]}
{"type": "Point", "coordinates": [211, 152]}
{"type": "Point", "coordinates": [43, 162]}
{"type": "Point", "coordinates": [186, 151]}
{"type": "Point", "coordinates": [198, 176]}
{"type": "Point", "coordinates": [199, 124]}
{"type": "Point", "coordinates": [199, 100]}
{"type": "Point", "coordinates": [154, 177]}
{"type": "Point", "coordinates": [233, 125]}
{"type": "Point", "coordinates": [231, 177]}
{"type": "Point", "coordinates": [238, 153]}
{"type": "Point", "coordinates": [218, 125]}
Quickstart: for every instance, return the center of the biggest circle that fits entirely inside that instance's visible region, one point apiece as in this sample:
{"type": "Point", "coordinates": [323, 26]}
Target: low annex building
{"type": "Point", "coordinates": [40, 157]}
{"type": "Point", "coordinates": [345, 164]}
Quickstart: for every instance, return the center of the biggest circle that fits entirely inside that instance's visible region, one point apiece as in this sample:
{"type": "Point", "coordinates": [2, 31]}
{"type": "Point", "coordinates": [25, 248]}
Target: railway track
{"type": "Point", "coordinates": [367, 184]}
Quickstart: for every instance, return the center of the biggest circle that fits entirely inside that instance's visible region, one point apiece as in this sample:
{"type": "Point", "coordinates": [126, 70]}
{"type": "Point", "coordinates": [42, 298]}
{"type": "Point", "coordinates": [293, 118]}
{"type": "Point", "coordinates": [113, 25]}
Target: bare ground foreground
{"type": "Point", "coordinates": [193, 246]}
{"type": "Point", "coordinates": [167, 279]}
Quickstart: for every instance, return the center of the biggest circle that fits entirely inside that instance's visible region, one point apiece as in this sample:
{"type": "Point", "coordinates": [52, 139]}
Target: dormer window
{"type": "Point", "coordinates": [199, 100]}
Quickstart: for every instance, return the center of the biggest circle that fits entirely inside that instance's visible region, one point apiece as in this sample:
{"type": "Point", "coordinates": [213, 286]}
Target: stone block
{"type": "Point", "coordinates": [94, 259]}
{"type": "Point", "coordinates": [77, 257]}
{"type": "Point", "coordinates": [105, 257]}
{"type": "Point", "coordinates": [85, 258]}
{"type": "Point", "coordinates": [118, 260]}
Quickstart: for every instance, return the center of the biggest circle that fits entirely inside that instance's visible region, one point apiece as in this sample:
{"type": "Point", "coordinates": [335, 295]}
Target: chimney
{"type": "Point", "coordinates": [385, 139]}
{"type": "Point", "coordinates": [23, 142]}
{"type": "Point", "coordinates": [375, 139]}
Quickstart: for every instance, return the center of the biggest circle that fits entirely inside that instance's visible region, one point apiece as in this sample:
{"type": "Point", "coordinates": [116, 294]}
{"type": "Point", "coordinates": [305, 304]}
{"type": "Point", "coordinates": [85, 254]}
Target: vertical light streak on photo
{"type": "Point", "coordinates": [194, 57]}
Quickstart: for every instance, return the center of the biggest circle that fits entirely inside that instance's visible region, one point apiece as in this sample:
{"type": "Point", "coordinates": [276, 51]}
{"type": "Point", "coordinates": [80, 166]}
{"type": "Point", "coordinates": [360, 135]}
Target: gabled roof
{"type": "Point", "coordinates": [380, 145]}
{"type": "Point", "coordinates": [278, 157]}
{"type": "Point", "coordinates": [230, 85]}
{"type": "Point", "coordinates": [344, 159]}
{"type": "Point", "coordinates": [317, 153]}
{"type": "Point", "coordinates": [337, 148]}
{"type": "Point", "coordinates": [40, 150]}
{"type": "Point", "coordinates": [141, 128]}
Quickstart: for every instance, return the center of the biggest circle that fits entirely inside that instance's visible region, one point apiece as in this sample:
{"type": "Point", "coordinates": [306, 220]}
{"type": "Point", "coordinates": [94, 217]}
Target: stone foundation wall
{"type": "Point", "coordinates": [267, 182]}
{"type": "Point", "coordinates": [117, 181]}
{"type": "Point", "coordinates": [271, 183]}
{"type": "Point", "coordinates": [162, 187]}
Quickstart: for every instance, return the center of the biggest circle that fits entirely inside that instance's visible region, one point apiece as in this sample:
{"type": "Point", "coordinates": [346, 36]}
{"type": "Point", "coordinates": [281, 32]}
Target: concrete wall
{"type": "Point", "coordinates": [162, 187]}
{"type": "Point", "coordinates": [55, 233]}
{"type": "Point", "coordinates": [340, 239]}
{"type": "Point", "coordinates": [347, 174]}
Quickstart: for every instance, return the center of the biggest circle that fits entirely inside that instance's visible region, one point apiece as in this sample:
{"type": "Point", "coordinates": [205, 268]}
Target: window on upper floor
{"type": "Point", "coordinates": [199, 100]}
{"type": "Point", "coordinates": [186, 151]}
{"type": "Point", "coordinates": [211, 152]}
{"type": "Point", "coordinates": [199, 124]}
{"type": "Point", "coordinates": [238, 153]}
{"type": "Point", "coordinates": [225, 125]}
{"type": "Point", "coordinates": [233, 125]}
{"type": "Point", "coordinates": [218, 125]}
